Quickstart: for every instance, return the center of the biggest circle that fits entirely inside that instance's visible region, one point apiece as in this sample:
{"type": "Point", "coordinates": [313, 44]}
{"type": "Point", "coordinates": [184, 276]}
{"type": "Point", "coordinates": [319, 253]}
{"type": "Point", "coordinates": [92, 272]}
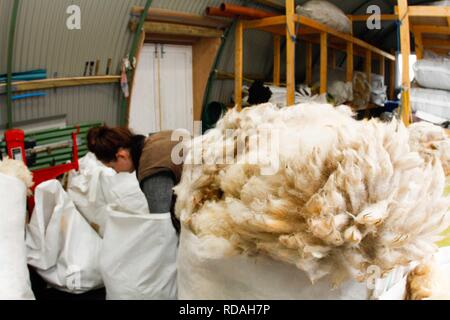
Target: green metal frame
{"type": "Point", "coordinates": [12, 31]}
{"type": "Point", "coordinates": [132, 55]}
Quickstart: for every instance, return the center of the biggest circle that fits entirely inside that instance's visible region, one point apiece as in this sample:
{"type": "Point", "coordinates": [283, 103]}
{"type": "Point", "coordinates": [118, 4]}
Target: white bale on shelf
{"type": "Point", "coordinates": [433, 73]}
{"type": "Point", "coordinates": [433, 102]}
{"type": "Point", "coordinates": [327, 14]}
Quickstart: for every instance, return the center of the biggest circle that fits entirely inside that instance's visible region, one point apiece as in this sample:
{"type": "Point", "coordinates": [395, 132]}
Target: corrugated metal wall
{"type": "Point", "coordinates": [43, 41]}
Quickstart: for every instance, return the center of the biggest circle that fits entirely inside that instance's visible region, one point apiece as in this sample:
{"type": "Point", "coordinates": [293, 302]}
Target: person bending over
{"type": "Point", "coordinates": [150, 157]}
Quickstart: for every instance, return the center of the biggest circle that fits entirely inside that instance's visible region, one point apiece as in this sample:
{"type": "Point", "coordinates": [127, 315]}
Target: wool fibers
{"type": "Point", "coordinates": [328, 194]}
{"type": "Point", "coordinates": [17, 169]}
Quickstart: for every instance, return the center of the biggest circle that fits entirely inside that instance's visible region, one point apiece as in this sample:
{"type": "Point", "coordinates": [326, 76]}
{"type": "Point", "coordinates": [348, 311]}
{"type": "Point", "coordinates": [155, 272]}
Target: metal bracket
{"type": "Point", "coordinates": [162, 51]}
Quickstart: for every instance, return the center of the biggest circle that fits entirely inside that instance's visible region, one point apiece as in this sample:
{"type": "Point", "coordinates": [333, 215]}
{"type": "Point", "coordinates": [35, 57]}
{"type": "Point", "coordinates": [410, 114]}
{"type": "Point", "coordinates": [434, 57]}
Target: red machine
{"type": "Point", "coordinates": [15, 146]}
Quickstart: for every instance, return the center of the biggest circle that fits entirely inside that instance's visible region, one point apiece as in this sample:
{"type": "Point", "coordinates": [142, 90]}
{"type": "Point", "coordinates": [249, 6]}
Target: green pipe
{"type": "Point", "coordinates": [207, 94]}
{"type": "Point", "coordinates": [134, 46]}
{"type": "Point", "coordinates": [12, 30]}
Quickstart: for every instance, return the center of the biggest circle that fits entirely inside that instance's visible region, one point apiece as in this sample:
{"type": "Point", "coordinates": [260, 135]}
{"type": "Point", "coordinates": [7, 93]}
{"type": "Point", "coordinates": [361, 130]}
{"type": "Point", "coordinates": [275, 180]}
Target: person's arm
{"type": "Point", "coordinates": [158, 190]}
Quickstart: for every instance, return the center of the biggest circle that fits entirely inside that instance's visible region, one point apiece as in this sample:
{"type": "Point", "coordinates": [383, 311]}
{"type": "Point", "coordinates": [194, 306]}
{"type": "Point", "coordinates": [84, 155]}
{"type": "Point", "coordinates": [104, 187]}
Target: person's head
{"type": "Point", "coordinates": [112, 147]}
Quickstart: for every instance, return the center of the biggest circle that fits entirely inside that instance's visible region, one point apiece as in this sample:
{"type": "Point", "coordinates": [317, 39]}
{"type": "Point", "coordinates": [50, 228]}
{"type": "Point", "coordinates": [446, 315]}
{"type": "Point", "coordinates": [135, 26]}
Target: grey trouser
{"type": "Point", "coordinates": [158, 191]}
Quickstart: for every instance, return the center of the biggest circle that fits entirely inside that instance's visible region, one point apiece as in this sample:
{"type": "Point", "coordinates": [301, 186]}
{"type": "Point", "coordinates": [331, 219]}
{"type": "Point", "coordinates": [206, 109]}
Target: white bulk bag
{"type": "Point", "coordinates": [95, 187]}
{"type": "Point", "coordinates": [14, 276]}
{"type": "Point", "coordinates": [122, 192]}
{"type": "Point", "coordinates": [433, 102]}
{"type": "Point", "coordinates": [84, 190]}
{"type": "Point", "coordinates": [433, 73]}
{"type": "Point", "coordinates": [138, 258]}
{"type": "Point", "coordinates": [250, 278]}
{"type": "Point", "coordinates": [62, 246]}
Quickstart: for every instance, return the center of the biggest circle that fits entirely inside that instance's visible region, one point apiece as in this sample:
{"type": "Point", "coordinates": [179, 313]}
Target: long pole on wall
{"type": "Point", "coordinates": [12, 31]}
{"type": "Point", "coordinates": [133, 51]}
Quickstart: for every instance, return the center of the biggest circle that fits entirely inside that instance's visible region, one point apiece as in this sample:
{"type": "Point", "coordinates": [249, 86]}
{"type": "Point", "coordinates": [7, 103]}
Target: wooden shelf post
{"type": "Point", "coordinates": [323, 62]}
{"type": "Point", "coordinates": [405, 44]}
{"type": "Point", "coordinates": [418, 45]}
{"type": "Point", "coordinates": [349, 76]}
{"type": "Point", "coordinates": [238, 65]}
{"type": "Point", "coordinates": [276, 60]}
{"type": "Point", "coordinates": [290, 52]}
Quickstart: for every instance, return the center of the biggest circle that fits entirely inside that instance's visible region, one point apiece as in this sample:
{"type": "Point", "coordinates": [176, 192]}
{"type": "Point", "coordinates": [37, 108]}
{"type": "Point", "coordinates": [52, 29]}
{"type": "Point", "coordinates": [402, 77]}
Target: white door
{"type": "Point", "coordinates": [144, 108]}
{"type": "Point", "coordinates": [176, 93]}
{"type": "Point", "coordinates": [162, 93]}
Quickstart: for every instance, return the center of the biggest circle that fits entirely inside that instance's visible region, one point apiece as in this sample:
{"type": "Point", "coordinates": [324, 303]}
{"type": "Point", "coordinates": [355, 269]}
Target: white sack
{"type": "Point", "coordinates": [279, 95]}
{"type": "Point", "coordinates": [378, 90]}
{"type": "Point", "coordinates": [95, 187]}
{"type": "Point", "coordinates": [433, 102]}
{"type": "Point", "coordinates": [250, 278]}
{"type": "Point", "coordinates": [433, 73]}
{"type": "Point", "coordinates": [138, 259]}
{"type": "Point", "coordinates": [341, 92]}
{"type": "Point", "coordinates": [84, 190]}
{"type": "Point", "coordinates": [327, 14]}
{"type": "Point", "coordinates": [14, 276]}
{"type": "Point", "coordinates": [62, 246]}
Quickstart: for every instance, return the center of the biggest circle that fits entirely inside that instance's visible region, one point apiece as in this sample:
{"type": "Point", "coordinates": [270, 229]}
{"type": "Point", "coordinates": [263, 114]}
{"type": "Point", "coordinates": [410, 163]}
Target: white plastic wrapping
{"type": "Point", "coordinates": [14, 276]}
{"type": "Point", "coordinates": [95, 187]}
{"type": "Point", "coordinates": [138, 259]}
{"type": "Point", "coordinates": [433, 73]}
{"type": "Point", "coordinates": [433, 102]}
{"type": "Point", "coordinates": [62, 246]}
{"type": "Point", "coordinates": [326, 13]}
{"type": "Point", "coordinates": [84, 190]}
{"type": "Point", "coordinates": [250, 278]}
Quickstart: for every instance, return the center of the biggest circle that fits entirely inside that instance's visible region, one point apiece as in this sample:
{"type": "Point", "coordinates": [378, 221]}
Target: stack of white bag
{"type": "Point", "coordinates": [15, 179]}
{"type": "Point", "coordinates": [132, 253]}
{"type": "Point", "coordinates": [431, 102]}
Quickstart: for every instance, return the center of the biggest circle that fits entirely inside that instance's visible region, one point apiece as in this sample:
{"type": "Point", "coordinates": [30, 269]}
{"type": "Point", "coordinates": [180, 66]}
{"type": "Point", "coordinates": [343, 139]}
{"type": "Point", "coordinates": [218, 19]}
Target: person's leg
{"type": "Point", "coordinates": [158, 191]}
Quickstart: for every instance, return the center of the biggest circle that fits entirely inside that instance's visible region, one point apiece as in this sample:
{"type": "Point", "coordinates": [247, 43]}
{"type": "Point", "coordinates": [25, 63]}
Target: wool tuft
{"type": "Point", "coordinates": [17, 169]}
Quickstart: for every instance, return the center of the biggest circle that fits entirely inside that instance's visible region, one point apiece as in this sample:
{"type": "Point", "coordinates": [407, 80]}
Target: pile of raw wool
{"type": "Point", "coordinates": [17, 169]}
{"type": "Point", "coordinates": [428, 281]}
{"type": "Point", "coordinates": [430, 140]}
{"type": "Point", "coordinates": [347, 195]}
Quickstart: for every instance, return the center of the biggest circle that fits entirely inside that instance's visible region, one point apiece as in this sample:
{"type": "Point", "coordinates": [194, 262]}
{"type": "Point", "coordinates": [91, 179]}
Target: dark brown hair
{"type": "Point", "coordinates": [105, 142]}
